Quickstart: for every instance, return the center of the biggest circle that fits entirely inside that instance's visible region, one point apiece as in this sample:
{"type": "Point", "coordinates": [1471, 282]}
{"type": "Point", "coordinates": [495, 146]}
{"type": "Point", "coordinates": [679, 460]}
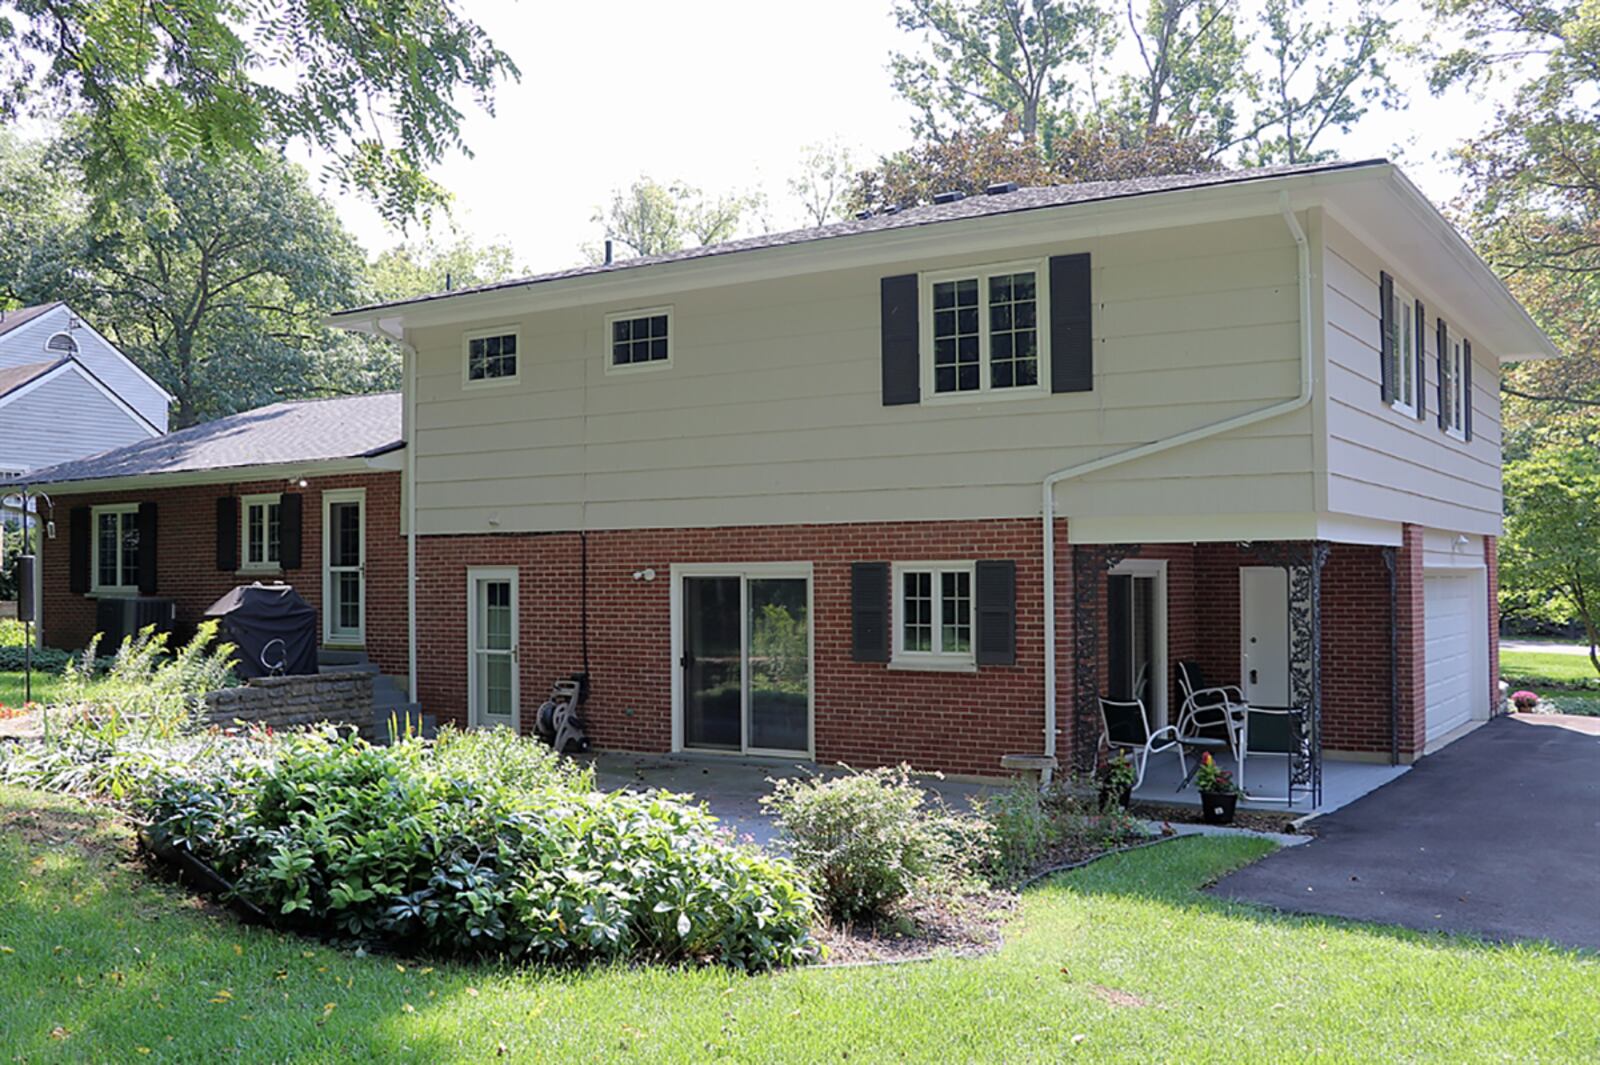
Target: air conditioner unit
{"type": "Point", "coordinates": [117, 619]}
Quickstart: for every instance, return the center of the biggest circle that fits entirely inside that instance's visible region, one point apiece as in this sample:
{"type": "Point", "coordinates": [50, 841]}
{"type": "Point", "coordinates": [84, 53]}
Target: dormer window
{"type": "Point", "coordinates": [490, 357]}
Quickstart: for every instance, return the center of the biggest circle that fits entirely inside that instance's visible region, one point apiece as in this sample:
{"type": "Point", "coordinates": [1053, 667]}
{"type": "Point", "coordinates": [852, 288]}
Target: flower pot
{"type": "Point", "coordinates": [1216, 807]}
{"type": "Point", "coordinates": [1121, 799]}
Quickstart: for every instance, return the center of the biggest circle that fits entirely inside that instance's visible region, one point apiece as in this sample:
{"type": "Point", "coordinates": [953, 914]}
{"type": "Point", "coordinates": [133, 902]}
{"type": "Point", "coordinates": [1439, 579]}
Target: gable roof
{"type": "Point", "coordinates": [10, 320]}
{"type": "Point", "coordinates": [14, 377]}
{"type": "Point", "coordinates": [1022, 199]}
{"type": "Point", "coordinates": [299, 432]}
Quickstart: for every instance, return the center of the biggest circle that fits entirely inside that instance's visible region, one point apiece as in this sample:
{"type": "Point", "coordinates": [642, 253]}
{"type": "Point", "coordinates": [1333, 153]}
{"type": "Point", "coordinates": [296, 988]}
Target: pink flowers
{"type": "Point", "coordinates": [1525, 701]}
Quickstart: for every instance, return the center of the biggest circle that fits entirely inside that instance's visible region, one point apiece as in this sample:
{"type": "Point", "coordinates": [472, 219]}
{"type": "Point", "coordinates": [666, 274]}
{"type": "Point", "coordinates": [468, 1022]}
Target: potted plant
{"type": "Point", "coordinates": [1219, 795]}
{"type": "Point", "coordinates": [1525, 701]}
{"type": "Point", "coordinates": [1116, 780]}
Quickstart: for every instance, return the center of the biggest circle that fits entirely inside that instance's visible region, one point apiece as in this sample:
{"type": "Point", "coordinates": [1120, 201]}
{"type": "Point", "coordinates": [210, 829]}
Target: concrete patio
{"type": "Point", "coordinates": [1342, 782]}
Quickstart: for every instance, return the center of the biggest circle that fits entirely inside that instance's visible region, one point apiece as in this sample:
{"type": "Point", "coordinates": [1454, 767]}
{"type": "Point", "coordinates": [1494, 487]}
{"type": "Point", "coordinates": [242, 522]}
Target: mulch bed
{"type": "Point", "coordinates": [1255, 820]}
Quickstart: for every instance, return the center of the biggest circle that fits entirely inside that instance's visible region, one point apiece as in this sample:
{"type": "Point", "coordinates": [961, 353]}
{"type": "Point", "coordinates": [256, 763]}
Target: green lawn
{"type": "Point", "coordinates": [1546, 665]}
{"type": "Point", "coordinates": [1124, 961]}
{"type": "Point", "coordinates": [45, 686]}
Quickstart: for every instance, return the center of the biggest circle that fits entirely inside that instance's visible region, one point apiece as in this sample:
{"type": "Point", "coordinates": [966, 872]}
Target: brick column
{"type": "Point", "coordinates": [1410, 644]}
{"type": "Point", "coordinates": [1491, 561]}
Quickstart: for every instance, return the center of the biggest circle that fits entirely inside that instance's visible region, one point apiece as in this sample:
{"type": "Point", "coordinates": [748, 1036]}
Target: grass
{"type": "Point", "coordinates": [1124, 961]}
{"type": "Point", "coordinates": [1548, 666]}
{"type": "Point", "coordinates": [45, 687]}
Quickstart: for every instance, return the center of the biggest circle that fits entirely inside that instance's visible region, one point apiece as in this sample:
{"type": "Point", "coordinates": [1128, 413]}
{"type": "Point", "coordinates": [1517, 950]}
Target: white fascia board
{"type": "Point", "coordinates": [981, 235]}
{"type": "Point", "coordinates": [73, 366]}
{"type": "Point", "coordinates": [225, 475]}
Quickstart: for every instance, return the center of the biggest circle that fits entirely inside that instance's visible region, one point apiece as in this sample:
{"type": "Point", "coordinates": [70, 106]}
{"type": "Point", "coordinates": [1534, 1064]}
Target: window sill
{"type": "Point", "coordinates": [112, 593]}
{"type": "Point", "coordinates": [934, 665]}
{"type": "Point", "coordinates": [1401, 408]}
{"type": "Point", "coordinates": [996, 395]}
{"type": "Point", "coordinates": [259, 571]}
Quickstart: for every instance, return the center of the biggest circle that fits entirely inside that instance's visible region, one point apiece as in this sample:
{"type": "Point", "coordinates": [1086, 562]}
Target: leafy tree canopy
{"type": "Point", "coordinates": [375, 84]}
{"type": "Point", "coordinates": [649, 218]}
{"type": "Point", "coordinates": [1550, 554]}
{"type": "Point", "coordinates": [417, 268]}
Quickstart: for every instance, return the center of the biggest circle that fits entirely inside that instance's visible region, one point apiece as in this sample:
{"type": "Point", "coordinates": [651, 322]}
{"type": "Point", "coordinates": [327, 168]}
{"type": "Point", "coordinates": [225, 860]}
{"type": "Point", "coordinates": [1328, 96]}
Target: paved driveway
{"type": "Point", "coordinates": [1497, 835]}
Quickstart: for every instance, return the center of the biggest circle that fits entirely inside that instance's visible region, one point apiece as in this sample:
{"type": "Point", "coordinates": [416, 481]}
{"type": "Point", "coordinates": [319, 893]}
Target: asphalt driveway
{"type": "Point", "coordinates": [1497, 835]}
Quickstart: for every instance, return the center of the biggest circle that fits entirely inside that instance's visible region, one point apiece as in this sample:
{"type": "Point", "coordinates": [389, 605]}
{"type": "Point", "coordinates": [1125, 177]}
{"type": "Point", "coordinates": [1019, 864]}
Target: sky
{"type": "Point", "coordinates": [722, 94]}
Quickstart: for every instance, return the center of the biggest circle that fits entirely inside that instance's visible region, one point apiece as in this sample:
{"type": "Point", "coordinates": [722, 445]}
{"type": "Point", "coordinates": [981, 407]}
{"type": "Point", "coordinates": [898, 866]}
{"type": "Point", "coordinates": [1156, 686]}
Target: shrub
{"type": "Point", "coordinates": [480, 844]}
{"type": "Point", "coordinates": [1022, 829]}
{"type": "Point", "coordinates": [866, 839]}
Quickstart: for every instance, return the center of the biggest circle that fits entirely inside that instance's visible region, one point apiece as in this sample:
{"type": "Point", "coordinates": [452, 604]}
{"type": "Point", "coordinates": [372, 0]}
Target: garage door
{"type": "Point", "coordinates": [1453, 647]}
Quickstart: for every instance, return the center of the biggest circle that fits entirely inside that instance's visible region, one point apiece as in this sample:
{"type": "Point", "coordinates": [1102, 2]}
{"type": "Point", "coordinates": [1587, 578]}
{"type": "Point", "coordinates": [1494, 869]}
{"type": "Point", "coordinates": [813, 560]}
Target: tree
{"type": "Point", "coordinates": [217, 283]}
{"type": "Point", "coordinates": [823, 182]}
{"type": "Point", "coordinates": [985, 61]}
{"type": "Point", "coordinates": [649, 218]}
{"type": "Point", "coordinates": [417, 268]}
{"type": "Point", "coordinates": [372, 83]}
{"type": "Point", "coordinates": [971, 160]}
{"type": "Point", "coordinates": [38, 222]}
{"type": "Point", "coordinates": [1192, 72]}
{"type": "Point", "coordinates": [1550, 554]}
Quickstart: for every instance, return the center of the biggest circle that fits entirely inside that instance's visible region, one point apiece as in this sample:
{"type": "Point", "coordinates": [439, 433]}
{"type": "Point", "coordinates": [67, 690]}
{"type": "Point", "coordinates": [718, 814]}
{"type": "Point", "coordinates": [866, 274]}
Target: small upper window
{"type": "Point", "coordinates": [1453, 378]}
{"type": "Point", "coordinates": [62, 343]}
{"type": "Point", "coordinates": [1403, 350]}
{"type": "Point", "coordinates": [639, 339]}
{"type": "Point", "coordinates": [116, 548]}
{"type": "Point", "coordinates": [491, 357]}
{"type": "Point", "coordinates": [261, 532]}
{"type": "Point", "coordinates": [933, 614]}
{"type": "Point", "coordinates": [985, 331]}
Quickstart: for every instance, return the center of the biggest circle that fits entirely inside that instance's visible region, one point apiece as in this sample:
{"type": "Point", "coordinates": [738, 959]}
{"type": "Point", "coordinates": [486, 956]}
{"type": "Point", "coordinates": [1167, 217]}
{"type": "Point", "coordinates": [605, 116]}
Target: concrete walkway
{"type": "Point", "coordinates": [1497, 835]}
{"type": "Point", "coordinates": [1538, 647]}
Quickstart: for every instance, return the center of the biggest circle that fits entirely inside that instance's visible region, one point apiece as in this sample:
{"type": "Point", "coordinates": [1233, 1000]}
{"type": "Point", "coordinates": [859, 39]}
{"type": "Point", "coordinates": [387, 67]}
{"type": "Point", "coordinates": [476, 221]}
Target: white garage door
{"type": "Point", "coordinates": [1454, 645]}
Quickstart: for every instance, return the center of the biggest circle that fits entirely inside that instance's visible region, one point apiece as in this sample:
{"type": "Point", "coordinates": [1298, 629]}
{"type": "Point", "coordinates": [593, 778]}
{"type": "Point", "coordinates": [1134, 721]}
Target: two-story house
{"type": "Point", "coordinates": [930, 485]}
{"type": "Point", "coordinates": [66, 391]}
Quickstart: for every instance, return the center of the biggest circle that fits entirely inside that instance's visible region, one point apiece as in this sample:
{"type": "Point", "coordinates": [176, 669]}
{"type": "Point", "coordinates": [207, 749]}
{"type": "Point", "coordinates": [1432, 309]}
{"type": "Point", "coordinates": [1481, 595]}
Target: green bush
{"type": "Point", "coordinates": [480, 844]}
{"type": "Point", "coordinates": [13, 655]}
{"type": "Point", "coordinates": [1022, 829]}
{"type": "Point", "coordinates": [865, 840]}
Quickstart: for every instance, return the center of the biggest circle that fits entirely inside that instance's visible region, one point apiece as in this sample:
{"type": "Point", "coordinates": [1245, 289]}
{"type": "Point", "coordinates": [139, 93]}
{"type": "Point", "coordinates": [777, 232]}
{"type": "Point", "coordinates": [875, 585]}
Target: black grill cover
{"type": "Point", "coordinates": [257, 617]}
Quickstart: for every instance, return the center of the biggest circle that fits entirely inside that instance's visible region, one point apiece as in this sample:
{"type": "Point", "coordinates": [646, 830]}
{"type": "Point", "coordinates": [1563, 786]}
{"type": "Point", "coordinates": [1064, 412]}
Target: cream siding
{"type": "Point", "coordinates": [771, 412]}
{"type": "Point", "coordinates": [1383, 463]}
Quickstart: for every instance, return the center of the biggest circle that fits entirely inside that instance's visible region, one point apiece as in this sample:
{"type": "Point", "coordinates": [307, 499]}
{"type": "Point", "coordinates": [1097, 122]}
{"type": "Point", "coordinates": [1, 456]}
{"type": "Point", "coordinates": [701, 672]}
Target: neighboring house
{"type": "Point", "coordinates": [305, 493]}
{"type": "Point", "coordinates": [787, 495]}
{"type": "Point", "coordinates": [67, 392]}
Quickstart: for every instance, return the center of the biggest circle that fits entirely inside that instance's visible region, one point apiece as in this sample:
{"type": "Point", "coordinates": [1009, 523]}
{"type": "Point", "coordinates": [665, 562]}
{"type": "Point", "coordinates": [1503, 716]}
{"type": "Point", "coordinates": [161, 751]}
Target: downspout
{"type": "Point", "coordinates": [1047, 488]}
{"type": "Point", "coordinates": [408, 390]}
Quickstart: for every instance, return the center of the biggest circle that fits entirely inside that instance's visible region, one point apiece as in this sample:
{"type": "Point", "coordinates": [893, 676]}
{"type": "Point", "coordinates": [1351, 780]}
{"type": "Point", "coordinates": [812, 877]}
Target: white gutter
{"type": "Point", "coordinates": [1154, 447]}
{"type": "Point", "coordinates": [408, 392]}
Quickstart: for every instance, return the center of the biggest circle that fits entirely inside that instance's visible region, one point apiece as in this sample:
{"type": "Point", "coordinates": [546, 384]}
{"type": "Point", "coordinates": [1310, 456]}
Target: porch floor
{"type": "Point", "coordinates": [1342, 782]}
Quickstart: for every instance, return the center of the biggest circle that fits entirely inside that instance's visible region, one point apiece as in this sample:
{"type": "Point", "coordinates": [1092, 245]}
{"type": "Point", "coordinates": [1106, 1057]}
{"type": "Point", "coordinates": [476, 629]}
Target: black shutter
{"type": "Point", "coordinates": [79, 531]}
{"type": "Point", "coordinates": [869, 611]}
{"type": "Point", "coordinates": [902, 372]}
{"type": "Point", "coordinates": [227, 533]}
{"type": "Point", "coordinates": [1466, 388]}
{"type": "Point", "coordinates": [1071, 325]}
{"type": "Point", "coordinates": [289, 511]}
{"type": "Point", "coordinates": [147, 548]}
{"type": "Point", "coordinates": [1386, 335]}
{"type": "Point", "coordinates": [1422, 364]}
{"type": "Point", "coordinates": [1444, 349]}
{"type": "Point", "coordinates": [997, 613]}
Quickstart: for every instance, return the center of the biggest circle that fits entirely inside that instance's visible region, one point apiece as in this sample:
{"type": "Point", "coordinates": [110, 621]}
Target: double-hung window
{"type": "Point", "coordinates": [260, 532]}
{"type": "Point", "coordinates": [1403, 350]}
{"type": "Point", "coordinates": [490, 357]}
{"type": "Point", "coordinates": [1453, 378]}
{"type": "Point", "coordinates": [933, 615]}
{"type": "Point", "coordinates": [984, 326]}
{"type": "Point", "coordinates": [116, 549]}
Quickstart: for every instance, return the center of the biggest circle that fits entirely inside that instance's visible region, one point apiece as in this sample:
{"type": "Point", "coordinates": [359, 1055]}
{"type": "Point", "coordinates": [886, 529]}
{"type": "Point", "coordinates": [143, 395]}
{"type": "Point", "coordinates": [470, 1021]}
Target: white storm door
{"type": "Point", "coordinates": [344, 554]}
{"type": "Point", "coordinates": [492, 692]}
{"type": "Point", "coordinates": [1264, 635]}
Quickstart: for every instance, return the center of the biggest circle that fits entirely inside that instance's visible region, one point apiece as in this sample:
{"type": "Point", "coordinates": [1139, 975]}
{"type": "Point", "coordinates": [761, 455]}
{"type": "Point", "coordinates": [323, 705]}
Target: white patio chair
{"type": "Point", "coordinates": [1269, 732]}
{"type": "Point", "coordinates": [1211, 719]}
{"type": "Point", "coordinates": [1125, 725]}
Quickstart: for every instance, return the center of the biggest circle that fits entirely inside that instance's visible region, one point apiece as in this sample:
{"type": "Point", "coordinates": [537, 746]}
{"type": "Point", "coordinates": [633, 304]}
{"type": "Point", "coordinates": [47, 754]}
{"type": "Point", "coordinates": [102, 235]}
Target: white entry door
{"type": "Point", "coordinates": [344, 555]}
{"type": "Point", "coordinates": [492, 691]}
{"type": "Point", "coordinates": [1264, 635]}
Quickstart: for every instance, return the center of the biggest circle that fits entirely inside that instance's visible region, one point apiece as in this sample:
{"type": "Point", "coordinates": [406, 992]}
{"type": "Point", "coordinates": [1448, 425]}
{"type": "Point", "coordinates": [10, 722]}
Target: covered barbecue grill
{"type": "Point", "coordinates": [274, 629]}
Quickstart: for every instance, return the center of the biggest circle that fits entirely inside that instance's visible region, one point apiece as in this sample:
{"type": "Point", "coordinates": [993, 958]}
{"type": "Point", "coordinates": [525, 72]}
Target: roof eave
{"type": "Point", "coordinates": [377, 461]}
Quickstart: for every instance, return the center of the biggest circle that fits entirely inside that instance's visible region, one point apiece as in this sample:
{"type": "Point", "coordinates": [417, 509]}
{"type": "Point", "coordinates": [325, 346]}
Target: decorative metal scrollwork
{"type": "Point", "coordinates": [1090, 563]}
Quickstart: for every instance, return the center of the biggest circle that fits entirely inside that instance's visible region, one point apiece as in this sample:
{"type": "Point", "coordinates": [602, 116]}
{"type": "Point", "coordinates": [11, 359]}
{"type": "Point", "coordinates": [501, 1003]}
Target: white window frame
{"type": "Point", "coordinates": [260, 499]}
{"type": "Point", "coordinates": [638, 367]}
{"type": "Point", "coordinates": [982, 273]}
{"type": "Point", "coordinates": [937, 659]}
{"type": "Point", "coordinates": [129, 581]}
{"type": "Point", "coordinates": [1455, 396]}
{"type": "Point", "coordinates": [1403, 313]}
{"type": "Point", "coordinates": [466, 356]}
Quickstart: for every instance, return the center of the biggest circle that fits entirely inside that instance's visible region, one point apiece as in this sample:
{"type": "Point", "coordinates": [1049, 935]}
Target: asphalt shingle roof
{"type": "Point", "coordinates": [1025, 199]}
{"type": "Point", "coordinates": [314, 430]}
{"type": "Point", "coordinates": [10, 320]}
{"type": "Point", "coordinates": [14, 377]}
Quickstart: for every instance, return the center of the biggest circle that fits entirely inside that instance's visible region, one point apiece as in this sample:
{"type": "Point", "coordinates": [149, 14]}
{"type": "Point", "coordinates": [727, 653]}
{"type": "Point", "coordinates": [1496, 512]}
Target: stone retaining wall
{"type": "Point", "coordinates": [338, 698]}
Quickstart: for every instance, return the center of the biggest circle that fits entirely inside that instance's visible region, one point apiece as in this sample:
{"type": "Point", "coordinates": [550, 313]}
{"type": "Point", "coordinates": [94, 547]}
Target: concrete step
{"type": "Point", "coordinates": [346, 667]}
{"type": "Point", "coordinates": [331, 656]}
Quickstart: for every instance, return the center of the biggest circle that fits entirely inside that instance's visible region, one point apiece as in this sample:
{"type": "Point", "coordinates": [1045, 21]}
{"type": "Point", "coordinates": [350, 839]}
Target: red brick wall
{"type": "Point", "coordinates": [186, 567]}
{"type": "Point", "coordinates": [866, 713]}
{"type": "Point", "coordinates": [1355, 649]}
{"type": "Point", "coordinates": [1491, 559]}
